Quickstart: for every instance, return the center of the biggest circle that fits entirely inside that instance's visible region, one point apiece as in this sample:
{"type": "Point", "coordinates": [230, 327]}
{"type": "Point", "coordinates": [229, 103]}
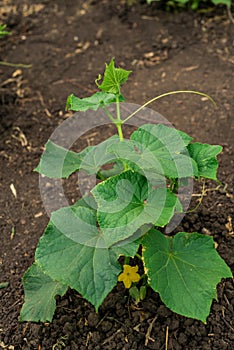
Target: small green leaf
{"type": "Point", "coordinates": [135, 294]}
{"type": "Point", "coordinates": [58, 162]}
{"type": "Point", "coordinates": [3, 31]}
{"type": "Point", "coordinates": [99, 99]}
{"type": "Point", "coordinates": [126, 203]}
{"type": "Point", "coordinates": [205, 157]}
{"type": "Point", "coordinates": [113, 78]}
{"type": "Point", "coordinates": [4, 284]}
{"type": "Point", "coordinates": [40, 292]}
{"type": "Point", "coordinates": [143, 290]}
{"type": "Point", "coordinates": [184, 270]}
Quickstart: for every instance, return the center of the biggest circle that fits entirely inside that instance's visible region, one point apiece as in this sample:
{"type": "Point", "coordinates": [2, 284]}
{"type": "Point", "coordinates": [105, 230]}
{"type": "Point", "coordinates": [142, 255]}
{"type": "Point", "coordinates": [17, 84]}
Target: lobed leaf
{"type": "Point", "coordinates": [58, 162]}
{"type": "Point", "coordinates": [73, 251]}
{"type": "Point", "coordinates": [97, 100]}
{"type": "Point", "coordinates": [184, 270]}
{"type": "Point", "coordinates": [40, 292]}
{"type": "Point", "coordinates": [168, 148]}
{"type": "Point", "coordinates": [205, 157]}
{"type": "Point", "coordinates": [126, 203]}
{"type": "Point", "coordinates": [113, 78]}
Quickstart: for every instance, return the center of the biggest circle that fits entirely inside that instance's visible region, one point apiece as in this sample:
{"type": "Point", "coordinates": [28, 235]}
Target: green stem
{"type": "Point", "coordinates": [120, 132]}
{"type": "Point", "coordinates": [118, 121]}
{"type": "Point", "coordinates": [100, 176]}
{"type": "Point", "coordinates": [138, 256]}
{"type": "Point", "coordinates": [19, 65]}
{"type": "Point", "coordinates": [168, 94]}
{"type": "Point", "coordinates": [126, 260]}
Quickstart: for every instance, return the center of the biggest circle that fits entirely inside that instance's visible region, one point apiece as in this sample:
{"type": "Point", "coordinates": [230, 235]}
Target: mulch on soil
{"type": "Point", "coordinates": [67, 44]}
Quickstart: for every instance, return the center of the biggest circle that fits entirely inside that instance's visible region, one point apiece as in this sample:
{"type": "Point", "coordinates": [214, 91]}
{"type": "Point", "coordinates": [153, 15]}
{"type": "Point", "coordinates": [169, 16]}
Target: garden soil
{"type": "Point", "coordinates": [66, 44]}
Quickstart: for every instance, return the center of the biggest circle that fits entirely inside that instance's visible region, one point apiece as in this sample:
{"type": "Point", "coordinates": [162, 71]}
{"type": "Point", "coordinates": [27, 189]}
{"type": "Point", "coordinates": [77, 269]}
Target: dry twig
{"type": "Point", "coordinates": [149, 330]}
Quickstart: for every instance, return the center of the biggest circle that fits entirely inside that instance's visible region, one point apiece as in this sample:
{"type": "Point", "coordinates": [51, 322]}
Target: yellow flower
{"type": "Point", "coordinates": [129, 275]}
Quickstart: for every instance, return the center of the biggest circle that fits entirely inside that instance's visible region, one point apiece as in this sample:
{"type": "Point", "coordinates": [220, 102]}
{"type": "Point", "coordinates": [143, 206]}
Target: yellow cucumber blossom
{"type": "Point", "coordinates": [129, 275]}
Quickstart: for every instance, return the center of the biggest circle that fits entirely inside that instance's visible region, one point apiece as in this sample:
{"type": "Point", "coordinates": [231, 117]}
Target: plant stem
{"type": "Point", "coordinates": [100, 176]}
{"type": "Point", "coordinates": [118, 121]}
{"type": "Point", "coordinates": [120, 132]}
{"type": "Point", "coordinates": [138, 256]}
{"type": "Point", "coordinates": [168, 94]}
{"type": "Point", "coordinates": [126, 260]}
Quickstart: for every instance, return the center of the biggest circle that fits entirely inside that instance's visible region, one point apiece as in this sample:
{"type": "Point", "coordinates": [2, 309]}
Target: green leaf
{"type": "Point", "coordinates": [40, 292]}
{"type": "Point", "coordinates": [87, 202]}
{"type": "Point", "coordinates": [139, 159]}
{"type": "Point", "coordinates": [4, 284]}
{"type": "Point", "coordinates": [224, 2]}
{"type": "Point", "coordinates": [3, 31]}
{"type": "Point", "coordinates": [58, 162]}
{"type": "Point", "coordinates": [73, 251]}
{"type": "Point", "coordinates": [143, 291]}
{"type": "Point", "coordinates": [184, 270]}
{"type": "Point", "coordinates": [205, 157]}
{"type": "Point", "coordinates": [135, 294]}
{"type": "Point", "coordinates": [168, 147]}
{"type": "Point", "coordinates": [126, 203]}
{"type": "Point", "coordinates": [99, 99]}
{"type": "Point", "coordinates": [113, 78]}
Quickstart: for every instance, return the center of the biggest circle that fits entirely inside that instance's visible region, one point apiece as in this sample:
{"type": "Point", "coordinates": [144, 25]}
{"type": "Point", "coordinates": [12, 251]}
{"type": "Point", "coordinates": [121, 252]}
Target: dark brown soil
{"type": "Point", "coordinates": [67, 44]}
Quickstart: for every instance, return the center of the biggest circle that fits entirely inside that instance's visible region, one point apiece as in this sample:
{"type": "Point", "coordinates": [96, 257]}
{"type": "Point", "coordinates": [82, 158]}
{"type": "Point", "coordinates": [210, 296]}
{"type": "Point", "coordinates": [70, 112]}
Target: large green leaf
{"type": "Point", "coordinates": [168, 147]}
{"type": "Point", "coordinates": [72, 251]}
{"type": "Point", "coordinates": [99, 99]}
{"type": "Point", "coordinates": [126, 202]}
{"type": "Point", "coordinates": [184, 270]}
{"type": "Point", "coordinates": [113, 78]}
{"type": "Point", "coordinates": [58, 162]}
{"type": "Point", "coordinates": [205, 157]}
{"type": "Point", "coordinates": [40, 292]}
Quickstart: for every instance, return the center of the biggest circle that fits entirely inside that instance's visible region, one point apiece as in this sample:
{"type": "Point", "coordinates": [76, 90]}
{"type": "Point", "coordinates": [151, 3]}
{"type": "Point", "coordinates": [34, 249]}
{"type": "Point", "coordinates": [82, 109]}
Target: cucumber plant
{"type": "Point", "coordinates": [125, 215]}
